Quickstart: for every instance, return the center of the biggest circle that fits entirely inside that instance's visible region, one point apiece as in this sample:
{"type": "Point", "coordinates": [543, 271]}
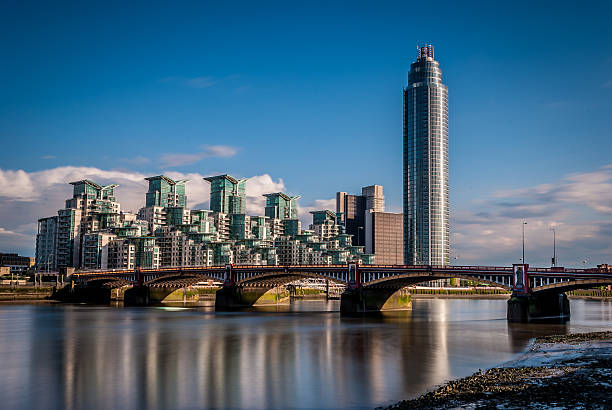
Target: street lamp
{"type": "Point", "coordinates": [554, 258]}
{"type": "Point", "coordinates": [359, 228]}
{"type": "Point", "coordinates": [523, 226]}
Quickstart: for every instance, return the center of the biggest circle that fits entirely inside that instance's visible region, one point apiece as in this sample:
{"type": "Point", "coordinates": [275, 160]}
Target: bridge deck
{"type": "Point", "coordinates": [538, 279]}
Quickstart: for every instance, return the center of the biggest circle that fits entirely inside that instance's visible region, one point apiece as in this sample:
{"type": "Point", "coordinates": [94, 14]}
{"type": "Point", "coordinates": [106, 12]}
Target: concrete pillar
{"type": "Point", "coordinates": [136, 296]}
{"type": "Point", "coordinates": [367, 300]}
{"type": "Point", "coordinates": [538, 306]}
{"type": "Point", "coordinates": [232, 297]}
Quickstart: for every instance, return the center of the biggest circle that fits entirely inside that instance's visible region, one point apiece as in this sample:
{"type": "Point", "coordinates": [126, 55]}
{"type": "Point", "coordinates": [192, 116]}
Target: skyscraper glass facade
{"type": "Point", "coordinates": [426, 201]}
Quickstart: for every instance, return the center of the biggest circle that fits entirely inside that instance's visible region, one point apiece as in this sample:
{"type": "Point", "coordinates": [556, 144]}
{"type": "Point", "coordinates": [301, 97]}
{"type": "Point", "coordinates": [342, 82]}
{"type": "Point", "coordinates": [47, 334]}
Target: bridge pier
{"type": "Point", "coordinates": [235, 297]}
{"type": "Point", "coordinates": [524, 308]}
{"type": "Point", "coordinates": [369, 300]}
{"type": "Point", "coordinates": [136, 296]}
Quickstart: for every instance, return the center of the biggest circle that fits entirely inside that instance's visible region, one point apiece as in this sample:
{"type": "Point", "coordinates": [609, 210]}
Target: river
{"type": "Point", "coordinates": [56, 356]}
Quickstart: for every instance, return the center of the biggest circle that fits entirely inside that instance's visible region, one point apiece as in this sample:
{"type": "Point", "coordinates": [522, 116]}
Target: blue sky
{"type": "Point", "coordinates": [309, 95]}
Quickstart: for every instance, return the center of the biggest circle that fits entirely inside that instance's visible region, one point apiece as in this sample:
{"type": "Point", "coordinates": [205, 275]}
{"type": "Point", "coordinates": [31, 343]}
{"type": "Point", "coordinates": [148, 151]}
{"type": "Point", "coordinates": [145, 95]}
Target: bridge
{"type": "Point", "coordinates": [537, 292]}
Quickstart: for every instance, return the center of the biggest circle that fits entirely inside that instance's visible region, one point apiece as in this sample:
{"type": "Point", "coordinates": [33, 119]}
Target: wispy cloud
{"type": "Point", "coordinates": [48, 157]}
{"type": "Point", "coordinates": [200, 82]}
{"type": "Point", "coordinates": [207, 151]}
{"type": "Point", "coordinates": [556, 105]}
{"type": "Point", "coordinates": [607, 84]}
{"type": "Point", "coordinates": [208, 81]}
{"type": "Point", "coordinates": [591, 189]}
{"type": "Point", "coordinates": [137, 160]}
{"type": "Point", "coordinates": [192, 82]}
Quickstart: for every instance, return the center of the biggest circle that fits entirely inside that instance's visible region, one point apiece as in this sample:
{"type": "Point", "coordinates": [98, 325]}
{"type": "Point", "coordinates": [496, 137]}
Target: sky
{"type": "Point", "coordinates": [307, 98]}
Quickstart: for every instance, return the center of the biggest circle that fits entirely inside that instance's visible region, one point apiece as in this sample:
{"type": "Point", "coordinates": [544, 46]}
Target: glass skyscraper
{"type": "Point", "coordinates": [426, 206]}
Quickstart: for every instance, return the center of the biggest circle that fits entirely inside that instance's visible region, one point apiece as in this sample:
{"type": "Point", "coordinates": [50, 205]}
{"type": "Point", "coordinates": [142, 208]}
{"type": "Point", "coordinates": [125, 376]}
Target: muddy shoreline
{"type": "Point", "coordinates": [566, 371]}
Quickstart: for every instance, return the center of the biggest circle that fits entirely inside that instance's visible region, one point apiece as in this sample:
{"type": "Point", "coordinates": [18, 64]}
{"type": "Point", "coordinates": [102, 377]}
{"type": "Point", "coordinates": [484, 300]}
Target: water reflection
{"type": "Point", "coordinates": [77, 357]}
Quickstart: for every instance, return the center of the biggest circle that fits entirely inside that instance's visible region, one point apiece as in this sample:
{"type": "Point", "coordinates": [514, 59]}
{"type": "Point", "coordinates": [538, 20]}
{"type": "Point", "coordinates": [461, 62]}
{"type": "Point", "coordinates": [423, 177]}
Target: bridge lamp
{"type": "Point", "coordinates": [523, 226]}
{"type": "Point", "coordinates": [554, 258]}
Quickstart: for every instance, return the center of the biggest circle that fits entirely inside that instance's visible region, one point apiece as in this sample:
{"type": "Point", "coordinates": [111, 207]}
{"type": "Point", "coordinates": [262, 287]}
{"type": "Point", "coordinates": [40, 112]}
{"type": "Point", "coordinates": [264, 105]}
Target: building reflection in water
{"type": "Point", "coordinates": [76, 357]}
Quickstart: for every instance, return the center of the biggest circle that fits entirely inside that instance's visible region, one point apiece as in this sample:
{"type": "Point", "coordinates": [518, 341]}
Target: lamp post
{"type": "Point", "coordinates": [554, 258]}
{"type": "Point", "coordinates": [523, 226]}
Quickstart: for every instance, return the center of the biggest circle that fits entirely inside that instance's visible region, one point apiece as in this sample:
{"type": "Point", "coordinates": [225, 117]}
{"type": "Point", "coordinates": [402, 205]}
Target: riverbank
{"type": "Point", "coordinates": [564, 371]}
{"type": "Point", "coordinates": [26, 294]}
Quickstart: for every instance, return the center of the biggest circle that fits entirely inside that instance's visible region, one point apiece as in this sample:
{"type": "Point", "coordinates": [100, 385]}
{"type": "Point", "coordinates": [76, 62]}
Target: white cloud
{"type": "Point", "coordinates": [16, 184]}
{"type": "Point", "coordinates": [256, 187]}
{"type": "Point", "coordinates": [207, 151]}
{"type": "Point", "coordinates": [316, 205]}
{"type": "Point", "coordinates": [6, 232]}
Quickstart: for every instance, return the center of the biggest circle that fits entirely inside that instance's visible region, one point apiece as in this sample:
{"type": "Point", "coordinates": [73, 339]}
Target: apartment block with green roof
{"type": "Point", "coordinates": [166, 192]}
{"type": "Point", "coordinates": [281, 206]}
{"type": "Point", "coordinates": [227, 194]}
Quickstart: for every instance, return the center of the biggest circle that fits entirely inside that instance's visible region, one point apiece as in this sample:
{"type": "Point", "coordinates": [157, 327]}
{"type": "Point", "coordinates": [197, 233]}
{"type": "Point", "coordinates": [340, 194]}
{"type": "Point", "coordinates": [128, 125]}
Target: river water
{"type": "Point", "coordinates": [306, 356]}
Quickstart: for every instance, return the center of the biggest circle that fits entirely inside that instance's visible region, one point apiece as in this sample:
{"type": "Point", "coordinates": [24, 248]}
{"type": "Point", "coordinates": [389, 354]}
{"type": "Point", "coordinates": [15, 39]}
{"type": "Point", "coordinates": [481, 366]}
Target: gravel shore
{"type": "Point", "coordinates": [568, 371]}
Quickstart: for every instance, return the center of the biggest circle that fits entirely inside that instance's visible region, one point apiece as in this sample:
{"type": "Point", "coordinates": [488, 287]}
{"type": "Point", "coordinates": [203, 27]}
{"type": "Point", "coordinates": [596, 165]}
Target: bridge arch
{"type": "Point", "coordinates": [179, 280]}
{"type": "Point", "coordinates": [566, 286]}
{"type": "Point", "coordinates": [108, 282]}
{"type": "Point", "coordinates": [414, 278]}
{"type": "Point", "coordinates": [282, 278]}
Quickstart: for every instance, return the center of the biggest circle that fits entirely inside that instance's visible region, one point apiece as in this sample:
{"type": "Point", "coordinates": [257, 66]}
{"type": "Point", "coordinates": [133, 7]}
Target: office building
{"type": "Point", "coordinates": [426, 200]}
{"type": "Point", "coordinates": [351, 210]}
{"type": "Point", "coordinates": [15, 263]}
{"type": "Point", "coordinates": [384, 237]}
{"type": "Point", "coordinates": [374, 198]}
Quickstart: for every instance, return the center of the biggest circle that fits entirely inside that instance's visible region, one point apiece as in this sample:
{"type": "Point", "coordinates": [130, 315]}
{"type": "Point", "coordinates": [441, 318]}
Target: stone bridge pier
{"type": "Point", "coordinates": [234, 295]}
{"type": "Point", "coordinates": [361, 300]}
{"type": "Point", "coordinates": [358, 299]}
{"type": "Point", "coordinates": [240, 296]}
{"type": "Point", "coordinates": [527, 306]}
